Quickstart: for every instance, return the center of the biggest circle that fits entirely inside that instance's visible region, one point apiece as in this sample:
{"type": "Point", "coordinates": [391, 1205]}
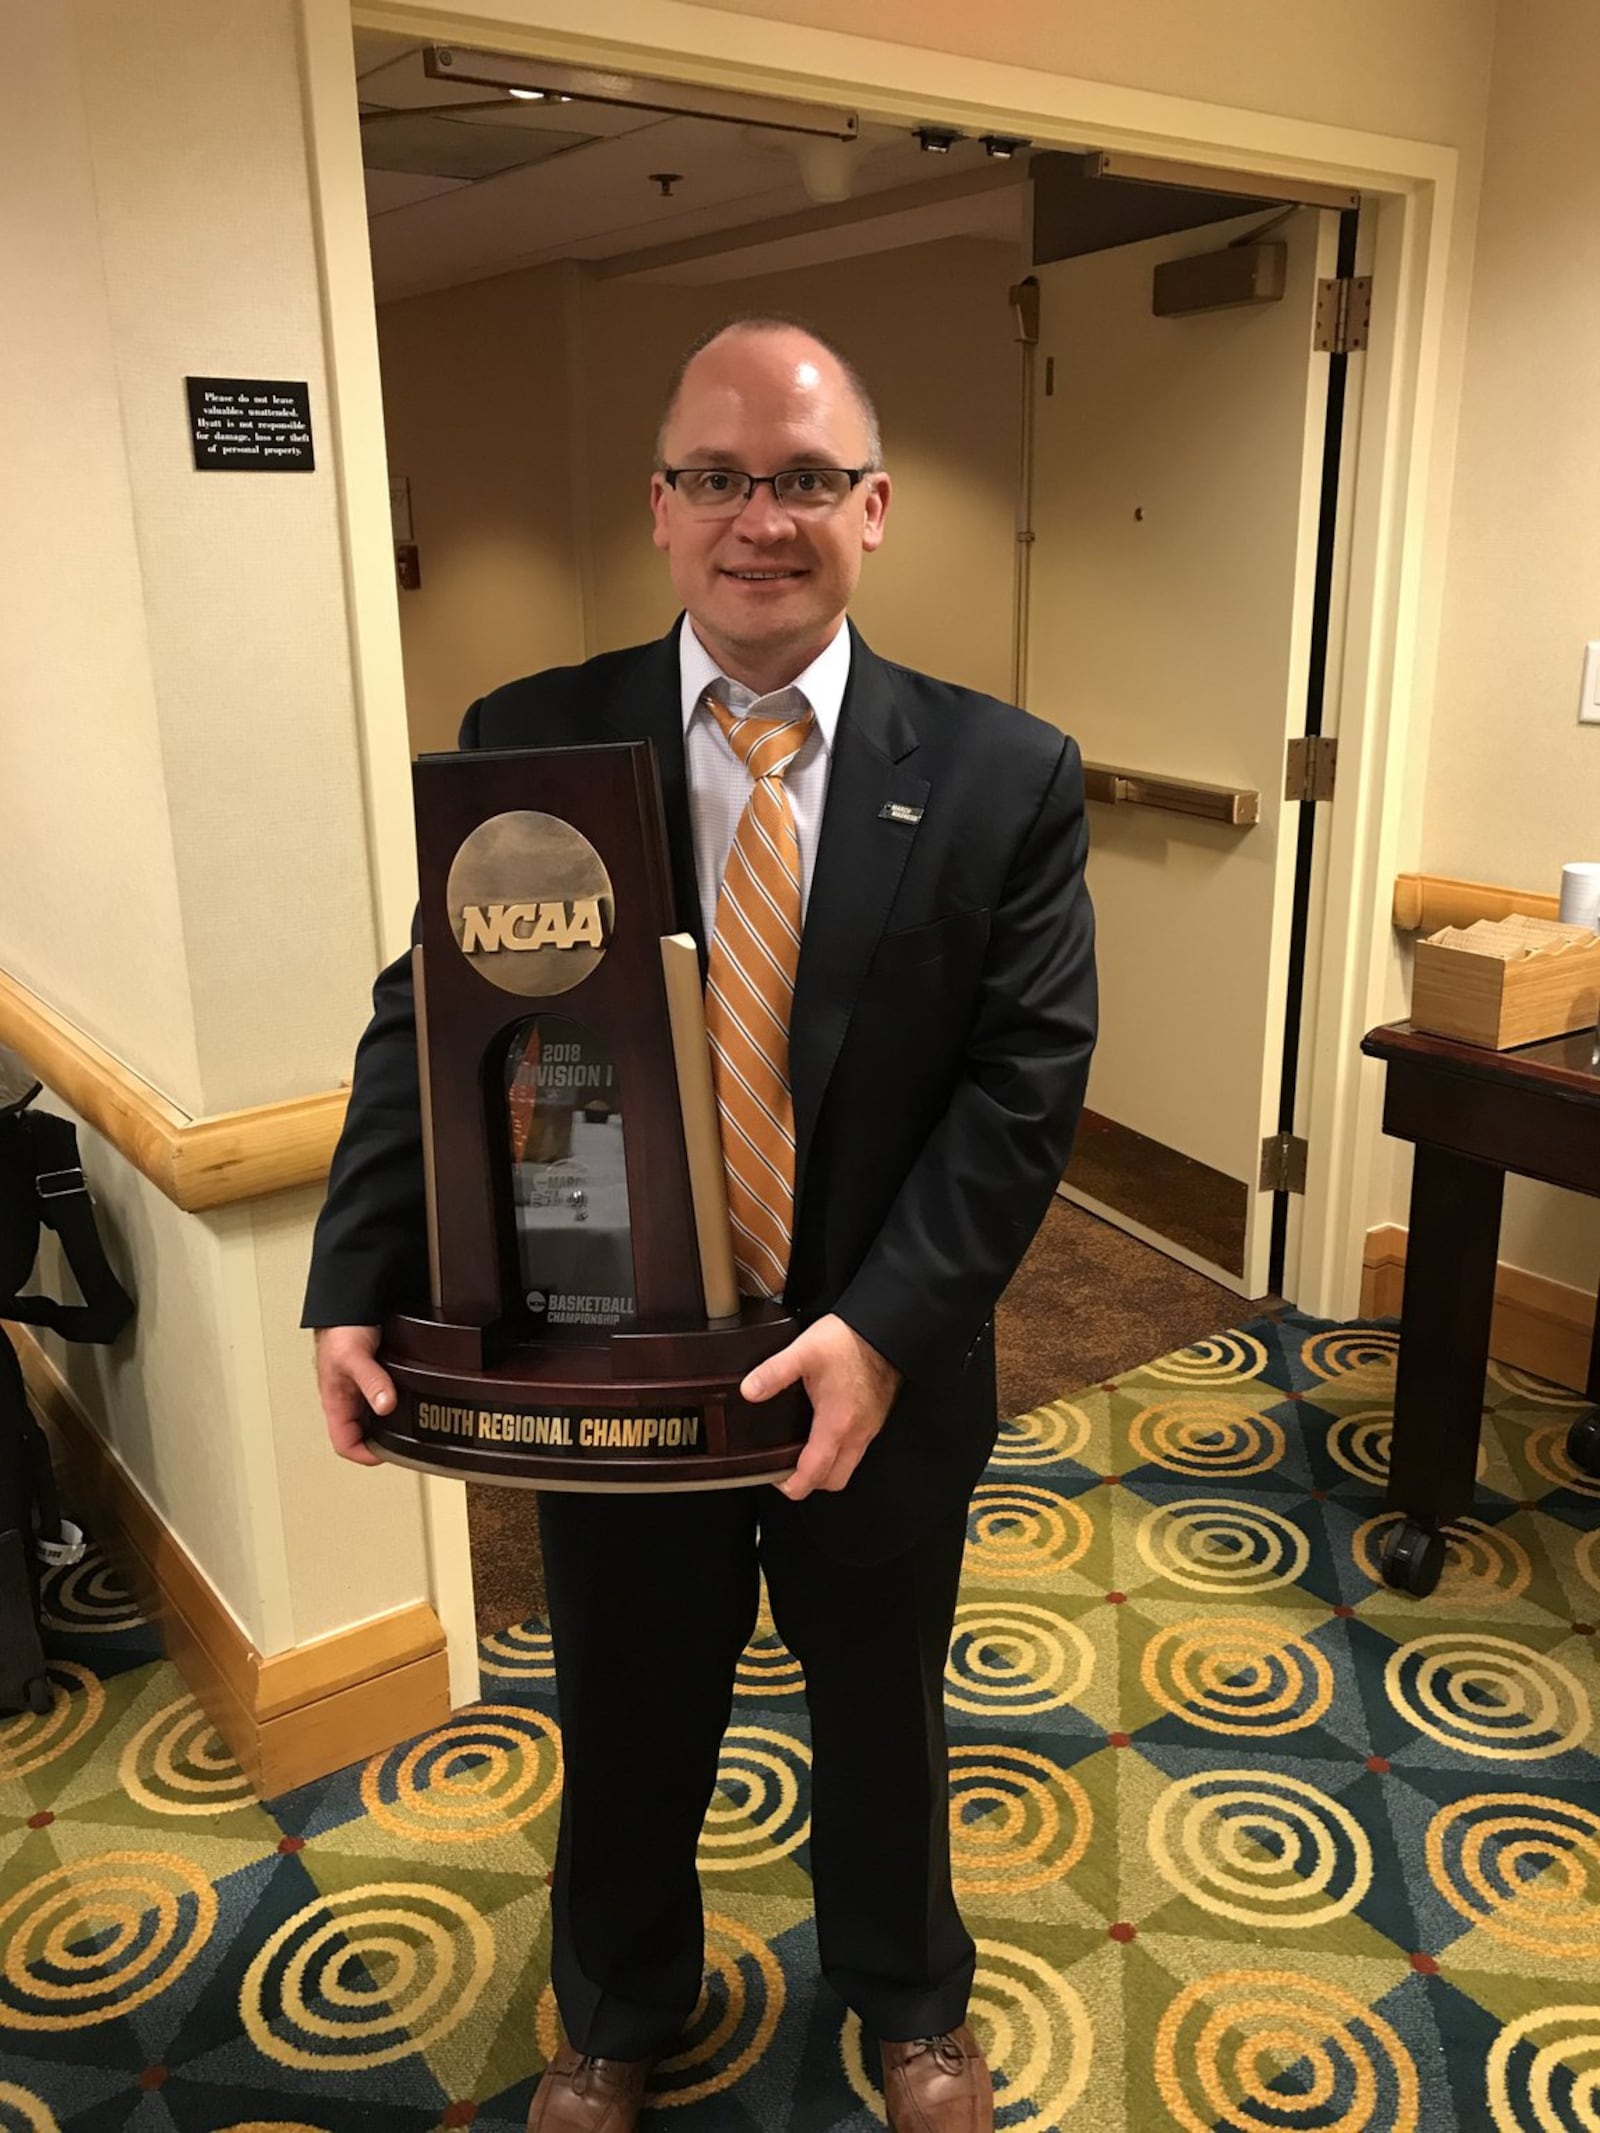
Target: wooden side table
{"type": "Point", "coordinates": [1472, 1115]}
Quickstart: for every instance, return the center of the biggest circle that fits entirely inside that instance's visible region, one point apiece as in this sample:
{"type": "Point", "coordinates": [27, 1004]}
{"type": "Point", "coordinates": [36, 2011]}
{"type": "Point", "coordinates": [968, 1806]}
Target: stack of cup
{"type": "Point", "coordinates": [1580, 894]}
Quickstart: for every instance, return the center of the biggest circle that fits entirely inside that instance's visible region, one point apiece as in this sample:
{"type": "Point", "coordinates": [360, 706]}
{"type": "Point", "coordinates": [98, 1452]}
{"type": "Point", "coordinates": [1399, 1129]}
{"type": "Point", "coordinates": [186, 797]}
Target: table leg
{"type": "Point", "coordinates": [1583, 1439]}
{"type": "Point", "coordinates": [1444, 1342]}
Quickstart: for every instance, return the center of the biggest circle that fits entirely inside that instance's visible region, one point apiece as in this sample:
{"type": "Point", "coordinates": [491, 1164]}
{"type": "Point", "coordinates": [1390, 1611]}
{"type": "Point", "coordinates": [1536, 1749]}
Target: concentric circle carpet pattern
{"type": "Point", "coordinates": [1247, 1841]}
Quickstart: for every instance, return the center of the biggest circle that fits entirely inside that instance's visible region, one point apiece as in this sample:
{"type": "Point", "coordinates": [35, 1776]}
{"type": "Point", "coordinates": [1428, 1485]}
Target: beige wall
{"type": "Point", "coordinates": [175, 692]}
{"type": "Point", "coordinates": [183, 862]}
{"type": "Point", "coordinates": [1513, 779]}
{"type": "Point", "coordinates": [209, 261]}
{"type": "Point", "coordinates": [528, 555]}
{"type": "Point", "coordinates": [80, 738]}
{"type": "Point", "coordinates": [1513, 784]}
{"type": "Point", "coordinates": [478, 390]}
{"type": "Point", "coordinates": [353, 1543]}
{"type": "Point", "coordinates": [1416, 69]}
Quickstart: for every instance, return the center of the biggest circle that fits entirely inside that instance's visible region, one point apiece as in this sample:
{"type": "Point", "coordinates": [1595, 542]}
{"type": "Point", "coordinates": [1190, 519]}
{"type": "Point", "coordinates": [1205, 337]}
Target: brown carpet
{"type": "Point", "coordinates": [507, 1568]}
{"type": "Point", "coordinates": [1087, 1303]}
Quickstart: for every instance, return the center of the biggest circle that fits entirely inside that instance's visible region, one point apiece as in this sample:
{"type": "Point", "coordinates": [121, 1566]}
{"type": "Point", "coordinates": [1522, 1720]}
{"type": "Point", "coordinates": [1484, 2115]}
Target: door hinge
{"type": "Point", "coordinates": [1283, 1163]}
{"type": "Point", "coordinates": [1313, 767]}
{"type": "Point", "coordinates": [1344, 312]}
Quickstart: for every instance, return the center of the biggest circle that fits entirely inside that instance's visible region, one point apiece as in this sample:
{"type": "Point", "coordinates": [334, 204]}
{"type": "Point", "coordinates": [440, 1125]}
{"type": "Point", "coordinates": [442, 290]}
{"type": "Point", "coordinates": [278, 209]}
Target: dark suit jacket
{"type": "Point", "coordinates": [943, 1019]}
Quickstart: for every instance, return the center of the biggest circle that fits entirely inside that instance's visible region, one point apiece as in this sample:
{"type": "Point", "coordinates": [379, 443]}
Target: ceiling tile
{"type": "Point", "coordinates": [379, 48]}
{"type": "Point", "coordinates": [485, 188]}
{"type": "Point", "coordinates": [391, 189]}
{"type": "Point", "coordinates": [443, 148]}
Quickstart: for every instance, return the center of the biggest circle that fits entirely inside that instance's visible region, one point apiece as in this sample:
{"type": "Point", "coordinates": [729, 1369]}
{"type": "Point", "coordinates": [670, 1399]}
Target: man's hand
{"type": "Point", "coordinates": [349, 1381]}
{"type": "Point", "coordinates": [851, 1388]}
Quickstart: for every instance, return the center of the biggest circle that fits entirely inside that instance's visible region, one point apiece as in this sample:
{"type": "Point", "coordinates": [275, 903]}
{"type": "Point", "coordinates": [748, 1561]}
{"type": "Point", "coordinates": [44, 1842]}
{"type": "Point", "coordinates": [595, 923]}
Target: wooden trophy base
{"type": "Point", "coordinates": [634, 1412]}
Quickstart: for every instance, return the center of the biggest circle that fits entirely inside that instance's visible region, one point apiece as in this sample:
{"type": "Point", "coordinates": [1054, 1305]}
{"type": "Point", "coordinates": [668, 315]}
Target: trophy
{"type": "Point", "coordinates": [585, 1328]}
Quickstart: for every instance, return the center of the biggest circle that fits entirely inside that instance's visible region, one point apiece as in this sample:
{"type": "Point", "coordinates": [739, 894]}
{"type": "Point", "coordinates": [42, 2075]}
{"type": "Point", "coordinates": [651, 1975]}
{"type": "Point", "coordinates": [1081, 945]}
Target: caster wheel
{"type": "Point", "coordinates": [1583, 1443]}
{"type": "Point", "coordinates": [1412, 1559]}
{"type": "Point", "coordinates": [40, 1695]}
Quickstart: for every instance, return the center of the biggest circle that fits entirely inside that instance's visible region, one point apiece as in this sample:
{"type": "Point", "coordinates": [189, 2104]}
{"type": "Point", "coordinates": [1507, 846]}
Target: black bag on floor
{"type": "Point", "coordinates": [41, 1185]}
{"type": "Point", "coordinates": [31, 1532]}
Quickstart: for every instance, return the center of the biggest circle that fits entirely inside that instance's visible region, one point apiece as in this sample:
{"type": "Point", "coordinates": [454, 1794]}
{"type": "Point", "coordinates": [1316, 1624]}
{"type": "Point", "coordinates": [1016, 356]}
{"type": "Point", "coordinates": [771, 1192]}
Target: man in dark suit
{"type": "Point", "coordinates": [938, 1041]}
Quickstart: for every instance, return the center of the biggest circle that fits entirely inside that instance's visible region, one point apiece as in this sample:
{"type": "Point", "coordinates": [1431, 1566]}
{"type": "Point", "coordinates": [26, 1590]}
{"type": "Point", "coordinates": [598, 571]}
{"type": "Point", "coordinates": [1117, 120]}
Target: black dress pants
{"type": "Point", "coordinates": [652, 1601]}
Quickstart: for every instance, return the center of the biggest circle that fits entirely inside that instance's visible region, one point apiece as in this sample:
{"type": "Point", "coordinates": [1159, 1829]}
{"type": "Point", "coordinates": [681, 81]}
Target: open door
{"type": "Point", "coordinates": [1177, 475]}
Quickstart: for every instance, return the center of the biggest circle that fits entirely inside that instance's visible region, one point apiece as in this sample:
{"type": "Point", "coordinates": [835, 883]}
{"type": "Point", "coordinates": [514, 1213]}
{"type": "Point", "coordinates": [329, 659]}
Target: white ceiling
{"type": "Point", "coordinates": [453, 196]}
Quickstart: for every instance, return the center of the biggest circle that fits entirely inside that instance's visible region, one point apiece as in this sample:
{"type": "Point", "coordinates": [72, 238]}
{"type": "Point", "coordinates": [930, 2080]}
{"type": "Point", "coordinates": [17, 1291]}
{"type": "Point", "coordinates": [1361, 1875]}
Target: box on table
{"type": "Point", "coordinates": [1508, 981]}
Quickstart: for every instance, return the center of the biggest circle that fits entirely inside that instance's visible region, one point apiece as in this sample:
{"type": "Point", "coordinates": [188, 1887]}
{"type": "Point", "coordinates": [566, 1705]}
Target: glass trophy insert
{"type": "Point", "coordinates": [569, 1176]}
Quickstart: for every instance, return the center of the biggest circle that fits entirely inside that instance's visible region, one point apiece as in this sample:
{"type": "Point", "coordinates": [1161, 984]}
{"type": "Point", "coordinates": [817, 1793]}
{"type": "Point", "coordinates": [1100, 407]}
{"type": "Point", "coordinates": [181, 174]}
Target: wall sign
{"type": "Point", "coordinates": [251, 425]}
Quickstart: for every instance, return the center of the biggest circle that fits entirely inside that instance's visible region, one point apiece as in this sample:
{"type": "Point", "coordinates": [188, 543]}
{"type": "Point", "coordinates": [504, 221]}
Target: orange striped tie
{"type": "Point", "coordinates": [750, 985]}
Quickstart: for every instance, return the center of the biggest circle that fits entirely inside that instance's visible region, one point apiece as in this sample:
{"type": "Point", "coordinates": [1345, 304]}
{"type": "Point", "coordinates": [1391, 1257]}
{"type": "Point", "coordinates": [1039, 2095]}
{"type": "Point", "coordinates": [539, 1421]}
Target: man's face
{"type": "Point", "coordinates": [767, 585]}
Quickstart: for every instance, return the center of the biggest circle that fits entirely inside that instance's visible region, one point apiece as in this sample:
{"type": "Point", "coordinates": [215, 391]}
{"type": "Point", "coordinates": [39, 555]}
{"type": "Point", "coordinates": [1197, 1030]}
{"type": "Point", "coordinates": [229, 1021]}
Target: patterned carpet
{"type": "Point", "coordinates": [1247, 1840]}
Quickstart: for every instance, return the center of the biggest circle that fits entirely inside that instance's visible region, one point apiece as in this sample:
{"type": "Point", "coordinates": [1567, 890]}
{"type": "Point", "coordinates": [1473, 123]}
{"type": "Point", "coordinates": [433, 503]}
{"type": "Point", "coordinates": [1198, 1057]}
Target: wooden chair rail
{"type": "Point", "coordinates": [198, 1163]}
{"type": "Point", "coordinates": [1425, 902]}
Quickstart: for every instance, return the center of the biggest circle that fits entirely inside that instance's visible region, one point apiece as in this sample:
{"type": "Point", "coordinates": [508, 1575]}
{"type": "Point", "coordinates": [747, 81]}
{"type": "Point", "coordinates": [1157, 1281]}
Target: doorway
{"type": "Point", "coordinates": [1189, 420]}
{"type": "Point", "coordinates": [540, 255]}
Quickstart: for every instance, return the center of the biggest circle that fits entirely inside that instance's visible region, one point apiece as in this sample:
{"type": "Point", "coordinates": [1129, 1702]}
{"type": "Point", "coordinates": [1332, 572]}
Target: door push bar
{"type": "Point", "coordinates": [1232, 804]}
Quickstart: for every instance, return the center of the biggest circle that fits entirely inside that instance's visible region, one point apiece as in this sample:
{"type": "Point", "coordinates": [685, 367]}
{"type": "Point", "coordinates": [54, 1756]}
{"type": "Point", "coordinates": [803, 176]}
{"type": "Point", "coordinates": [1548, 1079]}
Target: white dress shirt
{"type": "Point", "coordinates": [719, 784]}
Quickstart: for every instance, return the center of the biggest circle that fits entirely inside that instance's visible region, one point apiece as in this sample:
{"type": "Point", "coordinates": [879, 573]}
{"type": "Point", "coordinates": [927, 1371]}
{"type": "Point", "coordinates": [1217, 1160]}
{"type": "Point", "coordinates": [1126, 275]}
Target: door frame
{"type": "Point", "coordinates": [1382, 645]}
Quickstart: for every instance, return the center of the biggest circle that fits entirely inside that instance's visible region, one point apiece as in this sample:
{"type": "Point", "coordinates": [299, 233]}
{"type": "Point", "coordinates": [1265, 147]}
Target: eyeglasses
{"type": "Point", "coordinates": [720, 492]}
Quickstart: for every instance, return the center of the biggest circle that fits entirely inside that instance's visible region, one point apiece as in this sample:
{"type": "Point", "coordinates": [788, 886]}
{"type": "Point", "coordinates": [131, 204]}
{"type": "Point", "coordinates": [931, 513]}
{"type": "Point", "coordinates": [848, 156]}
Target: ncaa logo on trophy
{"type": "Point", "coordinates": [493, 916]}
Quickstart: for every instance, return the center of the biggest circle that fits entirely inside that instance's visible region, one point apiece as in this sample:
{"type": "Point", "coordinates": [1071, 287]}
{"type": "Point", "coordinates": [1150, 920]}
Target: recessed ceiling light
{"type": "Point", "coordinates": [527, 96]}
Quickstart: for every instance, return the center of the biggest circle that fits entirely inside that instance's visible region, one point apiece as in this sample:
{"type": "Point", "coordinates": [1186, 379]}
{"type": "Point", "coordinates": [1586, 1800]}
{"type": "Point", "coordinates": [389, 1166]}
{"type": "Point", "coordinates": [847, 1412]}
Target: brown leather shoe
{"type": "Point", "coordinates": [938, 2085]}
{"type": "Point", "coordinates": [580, 2094]}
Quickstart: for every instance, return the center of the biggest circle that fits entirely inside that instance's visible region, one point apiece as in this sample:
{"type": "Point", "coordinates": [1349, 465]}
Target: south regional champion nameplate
{"type": "Point", "coordinates": [566, 1429]}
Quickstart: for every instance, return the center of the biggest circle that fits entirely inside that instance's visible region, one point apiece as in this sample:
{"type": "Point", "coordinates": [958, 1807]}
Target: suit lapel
{"type": "Point", "coordinates": [861, 855]}
{"type": "Point", "coordinates": [646, 704]}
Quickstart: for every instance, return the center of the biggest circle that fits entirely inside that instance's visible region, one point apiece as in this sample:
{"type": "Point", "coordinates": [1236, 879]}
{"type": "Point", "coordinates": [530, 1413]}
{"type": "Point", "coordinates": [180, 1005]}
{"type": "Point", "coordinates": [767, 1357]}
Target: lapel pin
{"type": "Point", "coordinates": [898, 811]}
